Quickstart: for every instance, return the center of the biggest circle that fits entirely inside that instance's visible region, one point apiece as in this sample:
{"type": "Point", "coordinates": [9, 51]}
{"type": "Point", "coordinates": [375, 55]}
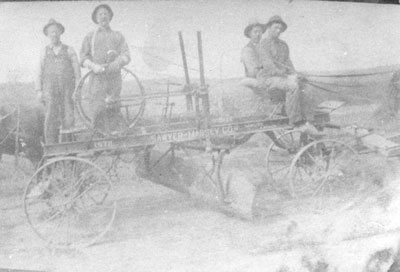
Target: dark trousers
{"type": "Point", "coordinates": [59, 112]}
{"type": "Point", "coordinates": [105, 117]}
{"type": "Point", "coordinates": [298, 105]}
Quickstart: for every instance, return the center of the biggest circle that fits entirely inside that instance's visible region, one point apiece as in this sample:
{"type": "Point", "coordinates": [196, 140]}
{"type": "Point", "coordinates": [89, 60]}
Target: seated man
{"type": "Point", "coordinates": [278, 75]}
{"type": "Point", "coordinates": [250, 57]}
{"type": "Point", "coordinates": [252, 63]}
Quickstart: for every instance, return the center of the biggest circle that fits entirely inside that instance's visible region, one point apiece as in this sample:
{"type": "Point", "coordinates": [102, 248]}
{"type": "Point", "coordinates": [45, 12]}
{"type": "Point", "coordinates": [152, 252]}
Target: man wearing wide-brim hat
{"type": "Point", "coordinates": [58, 74]}
{"type": "Point", "coordinates": [249, 56]}
{"type": "Point", "coordinates": [105, 52]}
{"type": "Point", "coordinates": [279, 77]}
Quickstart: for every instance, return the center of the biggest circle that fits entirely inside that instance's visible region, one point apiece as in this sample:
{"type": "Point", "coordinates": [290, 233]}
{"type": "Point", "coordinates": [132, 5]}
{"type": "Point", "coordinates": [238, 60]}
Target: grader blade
{"type": "Point", "coordinates": [202, 176]}
{"type": "Point", "coordinates": [164, 168]}
{"type": "Point", "coordinates": [247, 189]}
{"type": "Point", "coordinates": [241, 190]}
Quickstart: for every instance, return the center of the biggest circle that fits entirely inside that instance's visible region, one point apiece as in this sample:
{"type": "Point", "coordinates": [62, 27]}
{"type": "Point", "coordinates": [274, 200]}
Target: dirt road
{"type": "Point", "coordinates": [157, 229]}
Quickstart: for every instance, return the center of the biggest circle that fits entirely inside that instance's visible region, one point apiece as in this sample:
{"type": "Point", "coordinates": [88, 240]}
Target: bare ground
{"type": "Point", "coordinates": [157, 229]}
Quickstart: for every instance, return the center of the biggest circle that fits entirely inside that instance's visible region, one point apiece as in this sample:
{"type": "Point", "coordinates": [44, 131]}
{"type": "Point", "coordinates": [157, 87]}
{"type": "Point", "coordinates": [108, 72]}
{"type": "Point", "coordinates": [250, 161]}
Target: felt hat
{"type": "Point", "coordinates": [276, 20]}
{"type": "Point", "coordinates": [53, 22]}
{"type": "Point", "coordinates": [250, 26]}
{"type": "Point", "coordinates": [107, 7]}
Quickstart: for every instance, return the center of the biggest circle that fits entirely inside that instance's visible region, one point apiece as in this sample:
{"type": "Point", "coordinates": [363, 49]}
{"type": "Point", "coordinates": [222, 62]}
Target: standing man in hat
{"type": "Point", "coordinates": [105, 52]}
{"type": "Point", "coordinates": [278, 73]}
{"type": "Point", "coordinates": [58, 74]}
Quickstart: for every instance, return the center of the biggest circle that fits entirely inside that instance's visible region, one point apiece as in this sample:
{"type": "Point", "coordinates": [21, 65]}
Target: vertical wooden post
{"type": "Point", "coordinates": [203, 86]}
{"type": "Point", "coordinates": [189, 103]}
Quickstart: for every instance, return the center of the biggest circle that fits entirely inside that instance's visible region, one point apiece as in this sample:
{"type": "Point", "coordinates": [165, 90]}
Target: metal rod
{"type": "Point", "coordinates": [196, 102]}
{"type": "Point", "coordinates": [161, 157]}
{"type": "Point", "coordinates": [204, 92]}
{"type": "Point", "coordinates": [139, 97]}
{"type": "Point", "coordinates": [203, 87]}
{"type": "Point", "coordinates": [189, 103]}
{"type": "Point", "coordinates": [127, 112]}
{"type": "Point", "coordinates": [165, 109]}
{"type": "Point", "coordinates": [146, 158]}
{"type": "Point", "coordinates": [16, 151]}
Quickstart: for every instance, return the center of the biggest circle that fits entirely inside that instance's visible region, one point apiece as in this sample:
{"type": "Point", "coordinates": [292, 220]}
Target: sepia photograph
{"type": "Point", "coordinates": [173, 135]}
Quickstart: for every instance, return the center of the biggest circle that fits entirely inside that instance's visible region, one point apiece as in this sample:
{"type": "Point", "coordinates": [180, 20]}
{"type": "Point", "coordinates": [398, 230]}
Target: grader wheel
{"type": "Point", "coordinates": [280, 154]}
{"type": "Point", "coordinates": [325, 173]}
{"type": "Point", "coordinates": [67, 202]}
{"type": "Point", "coordinates": [118, 117]}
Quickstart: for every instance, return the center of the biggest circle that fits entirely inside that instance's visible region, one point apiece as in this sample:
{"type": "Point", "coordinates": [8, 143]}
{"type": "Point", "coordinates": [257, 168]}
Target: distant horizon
{"type": "Point", "coordinates": [384, 69]}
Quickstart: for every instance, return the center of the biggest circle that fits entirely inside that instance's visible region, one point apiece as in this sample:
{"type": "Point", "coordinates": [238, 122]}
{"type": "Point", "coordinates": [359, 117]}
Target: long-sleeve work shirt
{"type": "Point", "coordinates": [251, 60]}
{"type": "Point", "coordinates": [98, 43]}
{"type": "Point", "coordinates": [275, 59]}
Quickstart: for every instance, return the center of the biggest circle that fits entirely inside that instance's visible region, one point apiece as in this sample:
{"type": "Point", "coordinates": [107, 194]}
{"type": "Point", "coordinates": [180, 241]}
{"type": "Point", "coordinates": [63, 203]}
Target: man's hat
{"type": "Point", "coordinates": [107, 7]}
{"type": "Point", "coordinates": [248, 28]}
{"type": "Point", "coordinates": [53, 22]}
{"type": "Point", "coordinates": [276, 20]}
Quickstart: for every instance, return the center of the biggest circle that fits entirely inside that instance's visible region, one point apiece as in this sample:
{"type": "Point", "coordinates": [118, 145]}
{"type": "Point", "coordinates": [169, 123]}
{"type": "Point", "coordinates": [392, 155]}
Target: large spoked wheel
{"type": "Point", "coordinates": [122, 114]}
{"type": "Point", "coordinates": [68, 204]}
{"type": "Point", "coordinates": [281, 152]}
{"type": "Point", "coordinates": [324, 172]}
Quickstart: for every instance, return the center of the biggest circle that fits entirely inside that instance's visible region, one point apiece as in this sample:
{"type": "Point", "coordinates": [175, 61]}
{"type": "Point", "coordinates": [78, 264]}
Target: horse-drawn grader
{"type": "Point", "coordinates": [68, 199]}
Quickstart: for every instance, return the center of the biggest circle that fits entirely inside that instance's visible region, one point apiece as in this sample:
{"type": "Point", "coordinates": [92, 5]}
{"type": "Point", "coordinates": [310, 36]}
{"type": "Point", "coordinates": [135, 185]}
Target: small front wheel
{"type": "Point", "coordinates": [67, 202]}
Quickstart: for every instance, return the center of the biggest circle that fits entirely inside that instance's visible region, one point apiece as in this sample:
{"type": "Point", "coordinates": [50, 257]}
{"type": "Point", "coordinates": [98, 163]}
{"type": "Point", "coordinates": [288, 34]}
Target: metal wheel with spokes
{"type": "Point", "coordinates": [281, 152]}
{"type": "Point", "coordinates": [122, 114]}
{"type": "Point", "coordinates": [325, 171]}
{"type": "Point", "coordinates": [67, 202]}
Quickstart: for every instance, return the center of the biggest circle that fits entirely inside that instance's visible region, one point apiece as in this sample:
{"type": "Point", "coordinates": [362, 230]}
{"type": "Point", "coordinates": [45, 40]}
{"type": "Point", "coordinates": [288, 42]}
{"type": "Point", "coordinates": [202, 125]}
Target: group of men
{"type": "Point", "coordinates": [104, 51]}
{"type": "Point", "coordinates": [269, 72]}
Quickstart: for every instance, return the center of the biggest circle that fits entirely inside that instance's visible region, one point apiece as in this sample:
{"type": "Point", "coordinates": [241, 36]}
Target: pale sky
{"type": "Point", "coordinates": [323, 36]}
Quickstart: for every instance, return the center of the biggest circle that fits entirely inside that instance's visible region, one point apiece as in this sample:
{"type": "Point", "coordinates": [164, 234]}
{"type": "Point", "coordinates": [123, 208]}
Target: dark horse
{"type": "Point", "coordinates": [26, 123]}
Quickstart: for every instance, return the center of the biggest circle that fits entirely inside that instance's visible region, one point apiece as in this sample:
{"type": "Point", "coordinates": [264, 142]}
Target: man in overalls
{"type": "Point", "coordinates": [58, 74]}
{"type": "Point", "coordinates": [105, 52]}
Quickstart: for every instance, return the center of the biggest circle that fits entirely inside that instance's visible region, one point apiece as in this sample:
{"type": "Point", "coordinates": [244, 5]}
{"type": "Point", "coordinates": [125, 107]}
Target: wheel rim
{"type": "Point", "coordinates": [280, 154]}
{"type": "Point", "coordinates": [320, 173]}
{"type": "Point", "coordinates": [126, 119]}
{"type": "Point", "coordinates": [67, 202]}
